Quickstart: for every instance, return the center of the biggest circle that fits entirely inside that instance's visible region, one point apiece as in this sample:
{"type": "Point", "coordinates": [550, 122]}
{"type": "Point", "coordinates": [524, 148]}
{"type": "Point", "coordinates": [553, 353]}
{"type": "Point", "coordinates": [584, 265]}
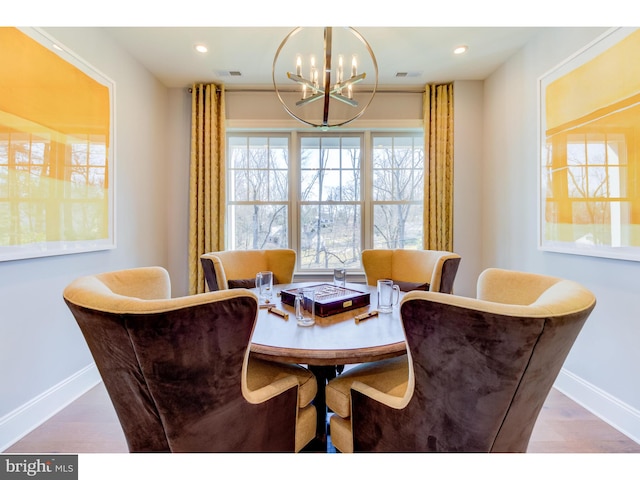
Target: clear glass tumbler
{"type": "Point", "coordinates": [305, 307]}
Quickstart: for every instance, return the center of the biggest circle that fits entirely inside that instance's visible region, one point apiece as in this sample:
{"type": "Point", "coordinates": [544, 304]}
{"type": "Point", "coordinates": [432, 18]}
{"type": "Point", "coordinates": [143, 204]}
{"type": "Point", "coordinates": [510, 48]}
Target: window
{"type": "Point", "coordinates": [328, 196]}
{"type": "Point", "coordinates": [258, 192]}
{"type": "Point", "coordinates": [398, 187]}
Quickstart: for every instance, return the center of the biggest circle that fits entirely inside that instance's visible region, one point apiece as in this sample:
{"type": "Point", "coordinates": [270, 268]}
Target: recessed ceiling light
{"type": "Point", "coordinates": [201, 48]}
{"type": "Point", "coordinates": [461, 49]}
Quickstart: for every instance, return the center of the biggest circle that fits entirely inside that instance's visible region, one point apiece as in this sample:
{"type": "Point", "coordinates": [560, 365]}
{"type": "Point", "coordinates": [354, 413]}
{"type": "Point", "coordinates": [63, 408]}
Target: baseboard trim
{"type": "Point", "coordinates": [24, 419]}
{"type": "Point", "coordinates": [616, 413]}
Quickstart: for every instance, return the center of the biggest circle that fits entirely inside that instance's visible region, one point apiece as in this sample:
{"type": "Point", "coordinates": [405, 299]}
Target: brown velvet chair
{"type": "Point", "coordinates": [178, 371]}
{"type": "Point", "coordinates": [238, 268]}
{"type": "Point", "coordinates": [477, 373]}
{"type": "Point", "coordinates": [429, 270]}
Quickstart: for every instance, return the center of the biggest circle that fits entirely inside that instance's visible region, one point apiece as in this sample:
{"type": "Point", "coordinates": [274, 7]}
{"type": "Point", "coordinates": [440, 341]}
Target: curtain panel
{"type": "Point", "coordinates": [438, 186]}
{"type": "Point", "coordinates": [207, 179]}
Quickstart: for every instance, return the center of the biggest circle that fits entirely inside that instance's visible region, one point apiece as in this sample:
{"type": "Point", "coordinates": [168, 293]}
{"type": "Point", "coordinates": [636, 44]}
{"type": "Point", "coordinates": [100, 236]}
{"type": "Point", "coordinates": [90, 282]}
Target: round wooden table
{"type": "Point", "coordinates": [332, 341]}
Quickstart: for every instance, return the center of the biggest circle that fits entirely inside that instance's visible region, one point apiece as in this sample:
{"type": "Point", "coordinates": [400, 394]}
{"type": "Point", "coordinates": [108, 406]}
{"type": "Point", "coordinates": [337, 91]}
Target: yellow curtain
{"type": "Point", "coordinates": [207, 179]}
{"type": "Point", "coordinates": [438, 179]}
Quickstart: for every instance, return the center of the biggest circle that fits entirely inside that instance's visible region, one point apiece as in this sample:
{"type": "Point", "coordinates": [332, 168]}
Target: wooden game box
{"type": "Point", "coordinates": [330, 299]}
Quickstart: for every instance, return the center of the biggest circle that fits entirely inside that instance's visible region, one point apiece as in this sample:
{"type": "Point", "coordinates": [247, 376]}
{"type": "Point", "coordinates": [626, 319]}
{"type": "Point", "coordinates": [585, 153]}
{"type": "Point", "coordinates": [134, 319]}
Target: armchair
{"type": "Point", "coordinates": [238, 268]}
{"type": "Point", "coordinates": [431, 270]}
{"type": "Point", "coordinates": [178, 372]}
{"type": "Point", "coordinates": [476, 374]}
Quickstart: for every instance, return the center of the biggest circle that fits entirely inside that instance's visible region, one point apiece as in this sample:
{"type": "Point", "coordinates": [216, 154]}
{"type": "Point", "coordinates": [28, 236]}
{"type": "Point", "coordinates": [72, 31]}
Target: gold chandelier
{"type": "Point", "coordinates": [326, 97]}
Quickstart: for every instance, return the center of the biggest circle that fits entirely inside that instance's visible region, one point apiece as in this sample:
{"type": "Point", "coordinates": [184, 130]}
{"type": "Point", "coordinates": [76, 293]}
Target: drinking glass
{"type": "Point", "coordinates": [305, 307]}
{"type": "Point", "coordinates": [340, 277]}
{"type": "Point", "coordinates": [264, 284]}
{"type": "Point", "coordinates": [386, 293]}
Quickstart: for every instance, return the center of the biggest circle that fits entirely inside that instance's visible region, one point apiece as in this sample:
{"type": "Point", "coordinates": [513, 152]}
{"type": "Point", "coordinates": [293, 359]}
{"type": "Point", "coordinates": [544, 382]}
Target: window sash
{"type": "Point", "coordinates": [345, 195]}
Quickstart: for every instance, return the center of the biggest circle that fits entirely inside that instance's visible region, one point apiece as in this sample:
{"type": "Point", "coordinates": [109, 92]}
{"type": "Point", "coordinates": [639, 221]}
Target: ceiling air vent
{"type": "Point", "coordinates": [407, 74]}
{"type": "Point", "coordinates": [228, 73]}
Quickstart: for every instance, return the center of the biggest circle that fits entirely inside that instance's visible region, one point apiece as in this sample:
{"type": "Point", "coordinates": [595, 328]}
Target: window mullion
{"type": "Point", "coordinates": [294, 191]}
{"type": "Point", "coordinates": [367, 190]}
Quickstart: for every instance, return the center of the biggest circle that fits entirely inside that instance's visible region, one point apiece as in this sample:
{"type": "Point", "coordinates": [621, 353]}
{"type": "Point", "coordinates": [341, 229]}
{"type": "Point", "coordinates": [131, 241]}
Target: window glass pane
{"type": "Point", "coordinates": [258, 226]}
{"type": "Point", "coordinates": [278, 185]}
{"type": "Point", "coordinates": [330, 182]}
{"type": "Point", "coordinates": [330, 236]}
{"type": "Point", "coordinates": [279, 151]}
{"type": "Point", "coordinates": [350, 190]}
{"type": "Point", "coordinates": [397, 226]}
{"type": "Point", "coordinates": [238, 184]}
{"type": "Point", "coordinates": [309, 185]}
{"type": "Point", "coordinates": [310, 153]}
{"type": "Point", "coordinates": [238, 156]}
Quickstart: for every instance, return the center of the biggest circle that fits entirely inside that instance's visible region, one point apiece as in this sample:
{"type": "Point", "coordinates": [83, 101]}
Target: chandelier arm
{"type": "Point", "coordinates": [350, 81]}
{"type": "Point", "coordinates": [304, 81]}
{"type": "Point", "coordinates": [310, 99]}
{"type": "Point", "coordinates": [344, 99]}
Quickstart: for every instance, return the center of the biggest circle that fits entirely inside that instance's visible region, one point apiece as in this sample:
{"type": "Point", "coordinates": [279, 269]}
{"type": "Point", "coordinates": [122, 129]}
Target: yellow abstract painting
{"type": "Point", "coordinates": [590, 150]}
{"type": "Point", "coordinates": [55, 149]}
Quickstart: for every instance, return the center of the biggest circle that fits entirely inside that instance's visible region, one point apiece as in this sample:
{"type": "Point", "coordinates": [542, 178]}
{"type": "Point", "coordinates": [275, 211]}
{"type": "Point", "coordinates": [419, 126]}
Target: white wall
{"type": "Point", "coordinates": [467, 169]}
{"type": "Point", "coordinates": [44, 361]}
{"type": "Point", "coordinates": [603, 369]}
{"type": "Point", "coordinates": [178, 161]}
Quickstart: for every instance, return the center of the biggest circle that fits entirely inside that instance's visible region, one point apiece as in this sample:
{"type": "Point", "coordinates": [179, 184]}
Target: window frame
{"type": "Point", "coordinates": [295, 137]}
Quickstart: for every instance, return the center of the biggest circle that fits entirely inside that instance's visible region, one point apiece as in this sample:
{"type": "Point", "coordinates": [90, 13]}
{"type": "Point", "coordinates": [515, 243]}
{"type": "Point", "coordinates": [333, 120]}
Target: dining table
{"type": "Point", "coordinates": [333, 341]}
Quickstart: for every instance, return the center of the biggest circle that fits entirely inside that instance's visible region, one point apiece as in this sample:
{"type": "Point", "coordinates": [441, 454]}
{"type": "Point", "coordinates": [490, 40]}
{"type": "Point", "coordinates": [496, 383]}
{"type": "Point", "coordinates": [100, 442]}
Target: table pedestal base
{"type": "Point", "coordinates": [323, 374]}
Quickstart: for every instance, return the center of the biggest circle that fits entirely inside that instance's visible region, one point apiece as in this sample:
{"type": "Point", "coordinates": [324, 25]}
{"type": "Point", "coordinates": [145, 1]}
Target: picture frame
{"type": "Point", "coordinates": [57, 166]}
{"type": "Point", "coordinates": [589, 158]}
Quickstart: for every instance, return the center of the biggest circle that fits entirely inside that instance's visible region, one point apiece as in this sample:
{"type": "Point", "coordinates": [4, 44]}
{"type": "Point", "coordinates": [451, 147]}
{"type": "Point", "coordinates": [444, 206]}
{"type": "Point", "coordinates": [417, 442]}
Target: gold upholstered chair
{"type": "Point", "coordinates": [477, 372]}
{"type": "Point", "coordinates": [429, 270]}
{"type": "Point", "coordinates": [178, 370]}
{"type": "Point", "coordinates": [238, 268]}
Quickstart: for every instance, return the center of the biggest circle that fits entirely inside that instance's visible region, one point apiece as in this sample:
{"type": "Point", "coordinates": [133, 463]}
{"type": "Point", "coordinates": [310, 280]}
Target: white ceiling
{"type": "Point", "coordinates": [425, 53]}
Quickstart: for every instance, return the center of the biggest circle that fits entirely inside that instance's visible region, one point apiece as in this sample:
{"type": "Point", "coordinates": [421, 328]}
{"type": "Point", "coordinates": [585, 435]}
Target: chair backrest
{"type": "Point", "coordinates": [481, 369]}
{"type": "Point", "coordinates": [175, 369]}
{"type": "Point", "coordinates": [429, 270]}
{"type": "Point", "coordinates": [238, 268]}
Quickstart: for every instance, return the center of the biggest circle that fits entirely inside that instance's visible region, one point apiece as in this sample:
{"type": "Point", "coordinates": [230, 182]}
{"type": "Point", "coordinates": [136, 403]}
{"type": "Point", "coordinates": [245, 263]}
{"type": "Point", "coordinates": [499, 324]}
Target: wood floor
{"type": "Point", "coordinates": [90, 425]}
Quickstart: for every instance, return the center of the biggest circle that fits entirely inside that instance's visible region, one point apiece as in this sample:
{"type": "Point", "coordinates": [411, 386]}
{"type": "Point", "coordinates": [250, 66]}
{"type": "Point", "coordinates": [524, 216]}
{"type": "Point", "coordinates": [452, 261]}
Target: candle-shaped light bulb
{"type": "Point", "coordinates": [340, 67]}
{"type": "Point", "coordinates": [350, 91]}
{"type": "Point", "coordinates": [354, 67]}
{"type": "Point", "coordinates": [299, 66]}
{"type": "Point", "coordinates": [312, 75]}
{"type": "Point", "coordinates": [304, 91]}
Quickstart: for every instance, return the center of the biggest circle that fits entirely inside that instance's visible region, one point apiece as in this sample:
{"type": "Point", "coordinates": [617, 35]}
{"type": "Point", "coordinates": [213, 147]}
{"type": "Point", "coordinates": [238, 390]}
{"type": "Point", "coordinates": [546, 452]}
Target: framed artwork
{"type": "Point", "coordinates": [589, 177]}
{"type": "Point", "coordinates": [56, 149]}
